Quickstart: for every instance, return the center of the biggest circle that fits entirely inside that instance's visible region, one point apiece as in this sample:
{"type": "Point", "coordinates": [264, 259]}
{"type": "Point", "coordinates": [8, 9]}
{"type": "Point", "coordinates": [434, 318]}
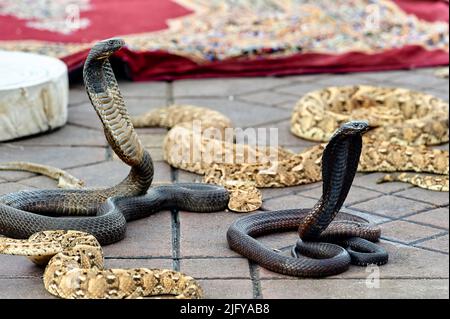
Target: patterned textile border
{"type": "Point", "coordinates": [207, 38]}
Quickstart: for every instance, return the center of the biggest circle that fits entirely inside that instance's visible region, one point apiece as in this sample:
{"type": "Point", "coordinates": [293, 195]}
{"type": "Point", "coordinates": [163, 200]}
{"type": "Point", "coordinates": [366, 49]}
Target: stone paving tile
{"type": "Point", "coordinates": [439, 243]}
{"type": "Point", "coordinates": [442, 94]}
{"type": "Point", "coordinates": [187, 177]}
{"type": "Point", "coordinates": [437, 217]}
{"type": "Point", "coordinates": [432, 197]}
{"type": "Point", "coordinates": [280, 241]}
{"type": "Point", "coordinates": [40, 182]}
{"type": "Point", "coordinates": [356, 194]}
{"type": "Point", "coordinates": [6, 188]}
{"type": "Point", "coordinates": [14, 266]}
{"type": "Point", "coordinates": [84, 114]}
{"type": "Point", "coordinates": [152, 140]}
{"type": "Point", "coordinates": [297, 89]}
{"type": "Point", "coordinates": [62, 157]}
{"type": "Point", "coordinates": [242, 114]}
{"type": "Point", "coordinates": [404, 262]}
{"type": "Point", "coordinates": [143, 89]}
{"type": "Point", "coordinates": [343, 80]}
{"type": "Point", "coordinates": [406, 232]}
{"type": "Point", "coordinates": [227, 288]}
{"type": "Point", "coordinates": [166, 263]}
{"type": "Point", "coordinates": [286, 138]}
{"type": "Point", "coordinates": [385, 76]}
{"type": "Point", "coordinates": [370, 181]}
{"type": "Point", "coordinates": [151, 236]}
{"type": "Point", "coordinates": [225, 87]}
{"type": "Point", "coordinates": [418, 82]}
{"type": "Point", "coordinates": [156, 153]}
{"type": "Point", "coordinates": [23, 288]}
{"type": "Point", "coordinates": [391, 206]}
{"type": "Point", "coordinates": [268, 193]}
{"type": "Point", "coordinates": [217, 268]}
{"type": "Point", "coordinates": [77, 95]}
{"type": "Point", "coordinates": [68, 135]}
{"type": "Point", "coordinates": [162, 171]}
{"type": "Point", "coordinates": [354, 288]}
{"type": "Point", "coordinates": [204, 235]}
{"type": "Point", "coordinates": [288, 202]}
{"type": "Point", "coordinates": [12, 176]}
{"type": "Point", "coordinates": [267, 98]}
{"type": "Point", "coordinates": [98, 175]}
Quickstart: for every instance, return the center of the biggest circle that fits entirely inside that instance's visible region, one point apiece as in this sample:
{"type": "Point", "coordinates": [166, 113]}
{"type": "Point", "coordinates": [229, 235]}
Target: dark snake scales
{"type": "Point", "coordinates": [104, 212]}
{"type": "Point", "coordinates": [316, 253]}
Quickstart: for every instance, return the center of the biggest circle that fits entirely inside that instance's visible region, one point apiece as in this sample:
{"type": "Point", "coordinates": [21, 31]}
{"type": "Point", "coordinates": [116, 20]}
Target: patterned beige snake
{"type": "Point", "coordinates": [403, 124]}
{"type": "Point", "coordinates": [75, 269]}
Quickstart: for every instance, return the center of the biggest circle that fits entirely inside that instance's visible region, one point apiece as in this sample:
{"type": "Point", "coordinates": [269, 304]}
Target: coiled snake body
{"type": "Point", "coordinates": [315, 259]}
{"type": "Point", "coordinates": [68, 226]}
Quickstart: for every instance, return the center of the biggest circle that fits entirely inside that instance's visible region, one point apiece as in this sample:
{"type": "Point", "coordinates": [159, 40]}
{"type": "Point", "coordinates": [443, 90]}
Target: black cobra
{"type": "Point", "coordinates": [316, 253]}
{"type": "Point", "coordinates": [104, 212]}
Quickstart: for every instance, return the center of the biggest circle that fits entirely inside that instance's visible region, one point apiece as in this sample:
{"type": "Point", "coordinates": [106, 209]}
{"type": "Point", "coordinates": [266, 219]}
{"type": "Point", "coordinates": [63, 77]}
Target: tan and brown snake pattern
{"type": "Point", "coordinates": [403, 124]}
{"type": "Point", "coordinates": [75, 269]}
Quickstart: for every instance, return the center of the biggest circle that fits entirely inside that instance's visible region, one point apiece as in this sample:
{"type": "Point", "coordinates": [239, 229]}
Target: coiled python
{"type": "Point", "coordinates": [102, 213]}
{"type": "Point", "coordinates": [315, 259]}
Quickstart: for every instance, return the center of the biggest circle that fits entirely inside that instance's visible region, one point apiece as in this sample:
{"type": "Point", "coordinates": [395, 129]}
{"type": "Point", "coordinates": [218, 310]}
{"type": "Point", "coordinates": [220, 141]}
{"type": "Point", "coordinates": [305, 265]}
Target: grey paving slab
{"type": "Point", "coordinates": [287, 139]}
{"type": "Point", "coordinates": [405, 262]}
{"type": "Point", "coordinates": [84, 114]}
{"type": "Point", "coordinates": [242, 114]}
{"type": "Point", "coordinates": [439, 243]}
{"type": "Point", "coordinates": [12, 187]}
{"type": "Point", "coordinates": [356, 195]}
{"type": "Point", "coordinates": [68, 135]}
{"type": "Point", "coordinates": [297, 89]}
{"type": "Point", "coordinates": [227, 288]}
{"type": "Point", "coordinates": [438, 217]}
{"type": "Point", "coordinates": [270, 98]}
{"type": "Point", "coordinates": [23, 288]}
{"type": "Point", "coordinates": [204, 235]}
{"type": "Point", "coordinates": [288, 202]}
{"type": "Point", "coordinates": [418, 82]}
{"type": "Point", "coordinates": [77, 95]}
{"type": "Point", "coordinates": [343, 80]}
{"type": "Point", "coordinates": [147, 237]}
{"type": "Point", "coordinates": [424, 195]}
{"type": "Point", "coordinates": [144, 89]}
{"type": "Point", "coordinates": [354, 289]}
{"type": "Point", "coordinates": [269, 193]}
{"type": "Point", "coordinates": [18, 266]}
{"type": "Point", "coordinates": [216, 268]}
{"type": "Point", "coordinates": [129, 263]}
{"type": "Point", "coordinates": [370, 181]}
{"type": "Point", "coordinates": [391, 206]}
{"type": "Point", "coordinates": [225, 87]}
{"type": "Point", "coordinates": [62, 157]}
{"type": "Point", "coordinates": [407, 232]}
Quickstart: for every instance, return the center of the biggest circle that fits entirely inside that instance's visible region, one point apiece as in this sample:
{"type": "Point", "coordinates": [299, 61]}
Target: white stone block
{"type": "Point", "coordinates": [34, 94]}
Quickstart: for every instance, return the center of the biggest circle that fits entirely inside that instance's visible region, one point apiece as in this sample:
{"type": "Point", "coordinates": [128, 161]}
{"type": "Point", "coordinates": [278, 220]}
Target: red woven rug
{"type": "Point", "coordinates": [173, 39]}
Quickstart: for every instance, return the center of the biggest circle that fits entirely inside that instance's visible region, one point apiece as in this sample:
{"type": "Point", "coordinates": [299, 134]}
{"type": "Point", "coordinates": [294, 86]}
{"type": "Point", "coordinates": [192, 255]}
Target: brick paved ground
{"type": "Point", "coordinates": [414, 221]}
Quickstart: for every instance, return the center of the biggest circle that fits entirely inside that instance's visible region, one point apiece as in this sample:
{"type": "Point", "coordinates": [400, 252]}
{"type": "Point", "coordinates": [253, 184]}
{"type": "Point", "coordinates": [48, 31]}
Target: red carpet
{"type": "Point", "coordinates": [169, 40]}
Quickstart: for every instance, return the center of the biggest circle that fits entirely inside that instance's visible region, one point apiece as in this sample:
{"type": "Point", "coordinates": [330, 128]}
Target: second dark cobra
{"type": "Point", "coordinates": [104, 212]}
{"type": "Point", "coordinates": [325, 247]}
